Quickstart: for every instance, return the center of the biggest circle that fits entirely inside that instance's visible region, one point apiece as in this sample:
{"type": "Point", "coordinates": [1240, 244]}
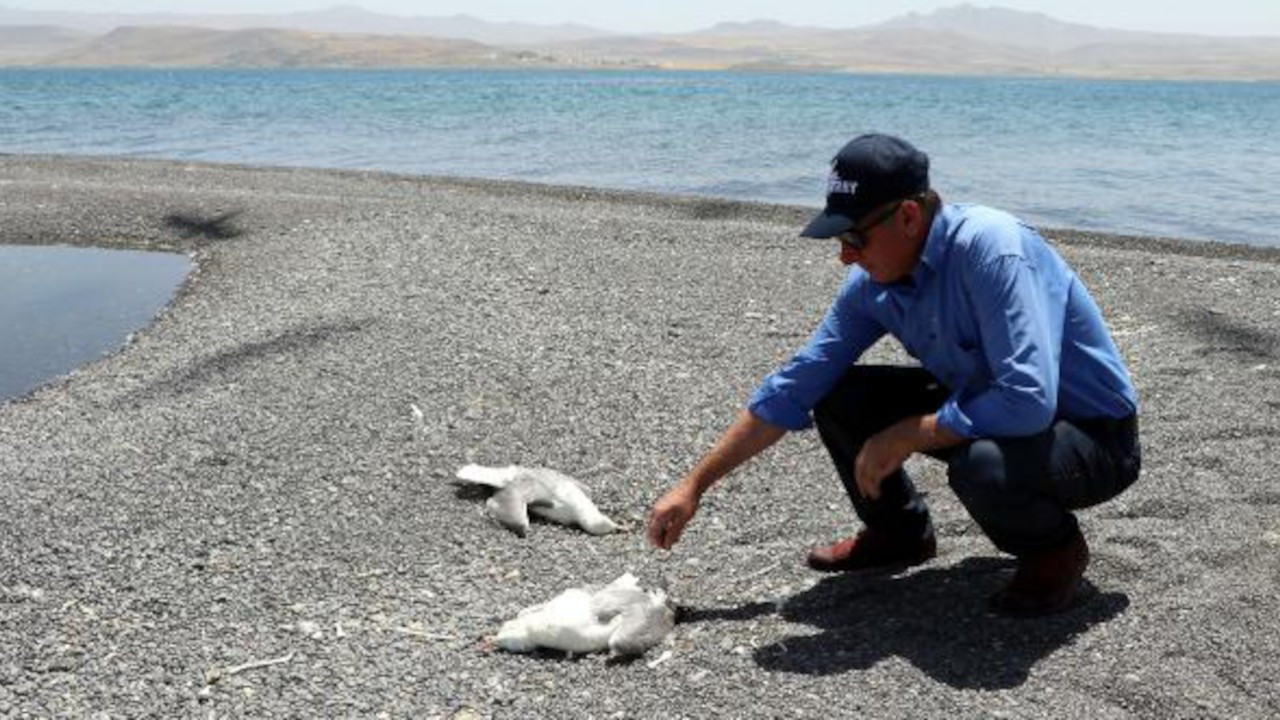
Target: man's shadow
{"type": "Point", "coordinates": [936, 619]}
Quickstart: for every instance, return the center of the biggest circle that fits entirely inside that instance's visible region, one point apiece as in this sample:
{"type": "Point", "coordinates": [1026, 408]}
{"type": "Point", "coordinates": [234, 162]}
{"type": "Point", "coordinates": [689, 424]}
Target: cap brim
{"type": "Point", "coordinates": [827, 225]}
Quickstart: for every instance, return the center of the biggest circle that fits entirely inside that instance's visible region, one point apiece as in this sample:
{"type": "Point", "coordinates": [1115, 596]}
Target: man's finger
{"type": "Point", "coordinates": [656, 531]}
{"type": "Point", "coordinates": [869, 489]}
{"type": "Point", "coordinates": [660, 531]}
{"type": "Point", "coordinates": [671, 533]}
{"type": "Point", "coordinates": [860, 477]}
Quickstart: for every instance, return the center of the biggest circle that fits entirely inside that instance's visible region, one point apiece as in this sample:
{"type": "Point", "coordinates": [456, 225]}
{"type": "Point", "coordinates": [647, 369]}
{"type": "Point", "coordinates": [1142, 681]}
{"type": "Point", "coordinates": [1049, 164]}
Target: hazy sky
{"type": "Point", "coordinates": [1222, 17]}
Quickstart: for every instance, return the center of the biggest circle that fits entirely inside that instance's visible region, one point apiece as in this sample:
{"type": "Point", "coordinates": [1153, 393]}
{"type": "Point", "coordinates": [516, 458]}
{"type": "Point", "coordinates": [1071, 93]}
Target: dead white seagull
{"type": "Point", "coordinates": [542, 491]}
{"type": "Point", "coordinates": [620, 617]}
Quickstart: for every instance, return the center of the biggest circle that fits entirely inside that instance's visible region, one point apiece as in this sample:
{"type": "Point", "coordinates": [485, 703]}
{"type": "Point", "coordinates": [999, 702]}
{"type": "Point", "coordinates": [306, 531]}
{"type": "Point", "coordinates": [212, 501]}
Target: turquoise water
{"type": "Point", "coordinates": [1182, 159]}
{"type": "Point", "coordinates": [61, 307]}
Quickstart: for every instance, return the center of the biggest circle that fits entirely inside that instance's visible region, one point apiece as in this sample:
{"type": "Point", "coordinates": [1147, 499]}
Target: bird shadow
{"type": "Point", "coordinates": [470, 491]}
{"type": "Point", "coordinates": [936, 619]}
{"type": "Point", "coordinates": [217, 227]}
{"type": "Point", "coordinates": [549, 655]}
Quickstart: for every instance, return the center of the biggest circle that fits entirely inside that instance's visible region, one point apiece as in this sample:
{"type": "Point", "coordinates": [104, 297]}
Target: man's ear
{"type": "Point", "coordinates": [913, 215]}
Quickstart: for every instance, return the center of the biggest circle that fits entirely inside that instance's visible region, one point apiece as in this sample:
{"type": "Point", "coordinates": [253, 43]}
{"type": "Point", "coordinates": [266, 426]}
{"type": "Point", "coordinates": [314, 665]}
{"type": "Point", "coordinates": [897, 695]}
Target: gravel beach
{"type": "Point", "coordinates": [238, 514]}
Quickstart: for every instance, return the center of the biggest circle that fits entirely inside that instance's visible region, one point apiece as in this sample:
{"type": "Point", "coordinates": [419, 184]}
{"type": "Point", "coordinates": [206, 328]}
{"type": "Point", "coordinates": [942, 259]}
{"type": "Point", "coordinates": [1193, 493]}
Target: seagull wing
{"type": "Point", "coordinates": [510, 509]}
{"type": "Point", "coordinates": [491, 476]}
{"type": "Point", "coordinates": [642, 625]}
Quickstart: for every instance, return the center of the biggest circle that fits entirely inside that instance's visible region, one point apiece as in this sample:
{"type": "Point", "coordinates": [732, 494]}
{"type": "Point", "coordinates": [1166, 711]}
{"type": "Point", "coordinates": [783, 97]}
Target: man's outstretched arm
{"type": "Point", "coordinates": [743, 440]}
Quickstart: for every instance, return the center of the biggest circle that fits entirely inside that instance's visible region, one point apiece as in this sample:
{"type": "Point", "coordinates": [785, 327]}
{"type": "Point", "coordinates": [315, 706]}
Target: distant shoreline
{"type": "Point", "coordinates": [794, 215]}
{"type": "Point", "coordinates": [622, 68]}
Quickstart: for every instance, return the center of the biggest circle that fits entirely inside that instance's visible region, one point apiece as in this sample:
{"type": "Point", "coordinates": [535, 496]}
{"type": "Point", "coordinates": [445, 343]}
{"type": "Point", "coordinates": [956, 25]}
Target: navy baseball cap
{"type": "Point", "coordinates": [868, 172]}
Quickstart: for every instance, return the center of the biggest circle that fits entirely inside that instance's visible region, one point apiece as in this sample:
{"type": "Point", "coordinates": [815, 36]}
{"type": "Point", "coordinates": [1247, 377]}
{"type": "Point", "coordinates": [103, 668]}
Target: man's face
{"type": "Point", "coordinates": [885, 243]}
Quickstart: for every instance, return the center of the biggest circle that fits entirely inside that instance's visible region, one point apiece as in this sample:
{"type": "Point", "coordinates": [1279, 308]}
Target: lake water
{"type": "Point", "coordinates": [61, 307]}
{"type": "Point", "coordinates": [1182, 159]}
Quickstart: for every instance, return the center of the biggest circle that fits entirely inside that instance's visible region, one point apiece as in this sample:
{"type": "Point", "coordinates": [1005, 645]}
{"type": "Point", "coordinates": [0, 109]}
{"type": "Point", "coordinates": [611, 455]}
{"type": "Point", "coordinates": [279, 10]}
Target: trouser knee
{"type": "Point", "coordinates": [977, 475]}
{"type": "Point", "coordinates": [1002, 501]}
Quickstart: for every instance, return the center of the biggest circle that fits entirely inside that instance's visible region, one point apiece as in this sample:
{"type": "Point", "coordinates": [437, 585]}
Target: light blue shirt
{"type": "Point", "coordinates": [992, 311]}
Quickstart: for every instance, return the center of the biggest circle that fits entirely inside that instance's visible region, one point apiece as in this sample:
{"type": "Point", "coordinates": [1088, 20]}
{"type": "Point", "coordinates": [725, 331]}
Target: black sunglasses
{"type": "Point", "coordinates": [856, 237]}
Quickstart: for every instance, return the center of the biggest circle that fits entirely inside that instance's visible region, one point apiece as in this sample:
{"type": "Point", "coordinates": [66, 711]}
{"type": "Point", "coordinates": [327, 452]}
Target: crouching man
{"type": "Point", "coordinates": [1021, 390]}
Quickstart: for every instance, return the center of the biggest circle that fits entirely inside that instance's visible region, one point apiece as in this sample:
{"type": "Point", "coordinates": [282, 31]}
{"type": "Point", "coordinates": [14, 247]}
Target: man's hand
{"type": "Point", "coordinates": [746, 437]}
{"type": "Point", "coordinates": [670, 514]}
{"type": "Point", "coordinates": [888, 449]}
{"type": "Point", "coordinates": [883, 453]}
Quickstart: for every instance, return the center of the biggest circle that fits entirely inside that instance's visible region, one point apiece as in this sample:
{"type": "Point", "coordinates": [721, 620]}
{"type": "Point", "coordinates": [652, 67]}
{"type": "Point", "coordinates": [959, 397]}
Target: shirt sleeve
{"type": "Point", "coordinates": [1013, 320]}
{"type": "Point", "coordinates": [787, 396]}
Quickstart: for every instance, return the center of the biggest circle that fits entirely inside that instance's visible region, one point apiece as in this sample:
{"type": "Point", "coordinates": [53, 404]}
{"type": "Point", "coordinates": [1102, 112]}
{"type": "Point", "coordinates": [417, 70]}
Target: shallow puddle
{"type": "Point", "coordinates": [62, 307]}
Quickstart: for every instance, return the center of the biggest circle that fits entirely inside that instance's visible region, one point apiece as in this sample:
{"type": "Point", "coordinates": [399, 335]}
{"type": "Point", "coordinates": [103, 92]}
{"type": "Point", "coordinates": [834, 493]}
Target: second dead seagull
{"type": "Point", "coordinates": [544, 492]}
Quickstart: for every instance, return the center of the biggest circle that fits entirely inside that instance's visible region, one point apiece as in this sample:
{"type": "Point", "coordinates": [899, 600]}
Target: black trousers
{"type": "Point", "coordinates": [1020, 490]}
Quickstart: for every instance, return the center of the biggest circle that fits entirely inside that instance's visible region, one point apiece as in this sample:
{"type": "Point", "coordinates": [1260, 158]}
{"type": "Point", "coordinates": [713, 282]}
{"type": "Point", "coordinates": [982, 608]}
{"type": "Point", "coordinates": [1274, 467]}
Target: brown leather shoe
{"type": "Point", "coordinates": [869, 550]}
{"type": "Point", "coordinates": [1045, 583]}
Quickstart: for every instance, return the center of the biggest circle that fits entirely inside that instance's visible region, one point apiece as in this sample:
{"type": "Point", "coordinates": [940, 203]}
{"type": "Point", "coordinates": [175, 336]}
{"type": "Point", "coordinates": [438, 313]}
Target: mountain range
{"type": "Point", "coordinates": [964, 39]}
{"type": "Point", "coordinates": [169, 46]}
{"type": "Point", "coordinates": [337, 19]}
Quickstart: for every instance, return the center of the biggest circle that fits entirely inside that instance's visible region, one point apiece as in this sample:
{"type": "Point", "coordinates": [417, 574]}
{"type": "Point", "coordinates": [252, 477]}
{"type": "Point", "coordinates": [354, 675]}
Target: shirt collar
{"type": "Point", "coordinates": [935, 246]}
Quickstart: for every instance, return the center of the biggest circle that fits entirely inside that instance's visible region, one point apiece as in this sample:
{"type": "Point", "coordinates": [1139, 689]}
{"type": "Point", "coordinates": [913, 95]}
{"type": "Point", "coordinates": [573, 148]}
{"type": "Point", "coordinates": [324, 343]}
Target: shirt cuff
{"type": "Point", "coordinates": [951, 417]}
{"type": "Point", "coordinates": [777, 408]}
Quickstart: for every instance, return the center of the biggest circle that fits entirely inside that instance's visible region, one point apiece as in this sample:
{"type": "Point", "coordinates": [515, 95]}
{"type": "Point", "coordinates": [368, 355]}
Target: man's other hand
{"type": "Point", "coordinates": [882, 454]}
